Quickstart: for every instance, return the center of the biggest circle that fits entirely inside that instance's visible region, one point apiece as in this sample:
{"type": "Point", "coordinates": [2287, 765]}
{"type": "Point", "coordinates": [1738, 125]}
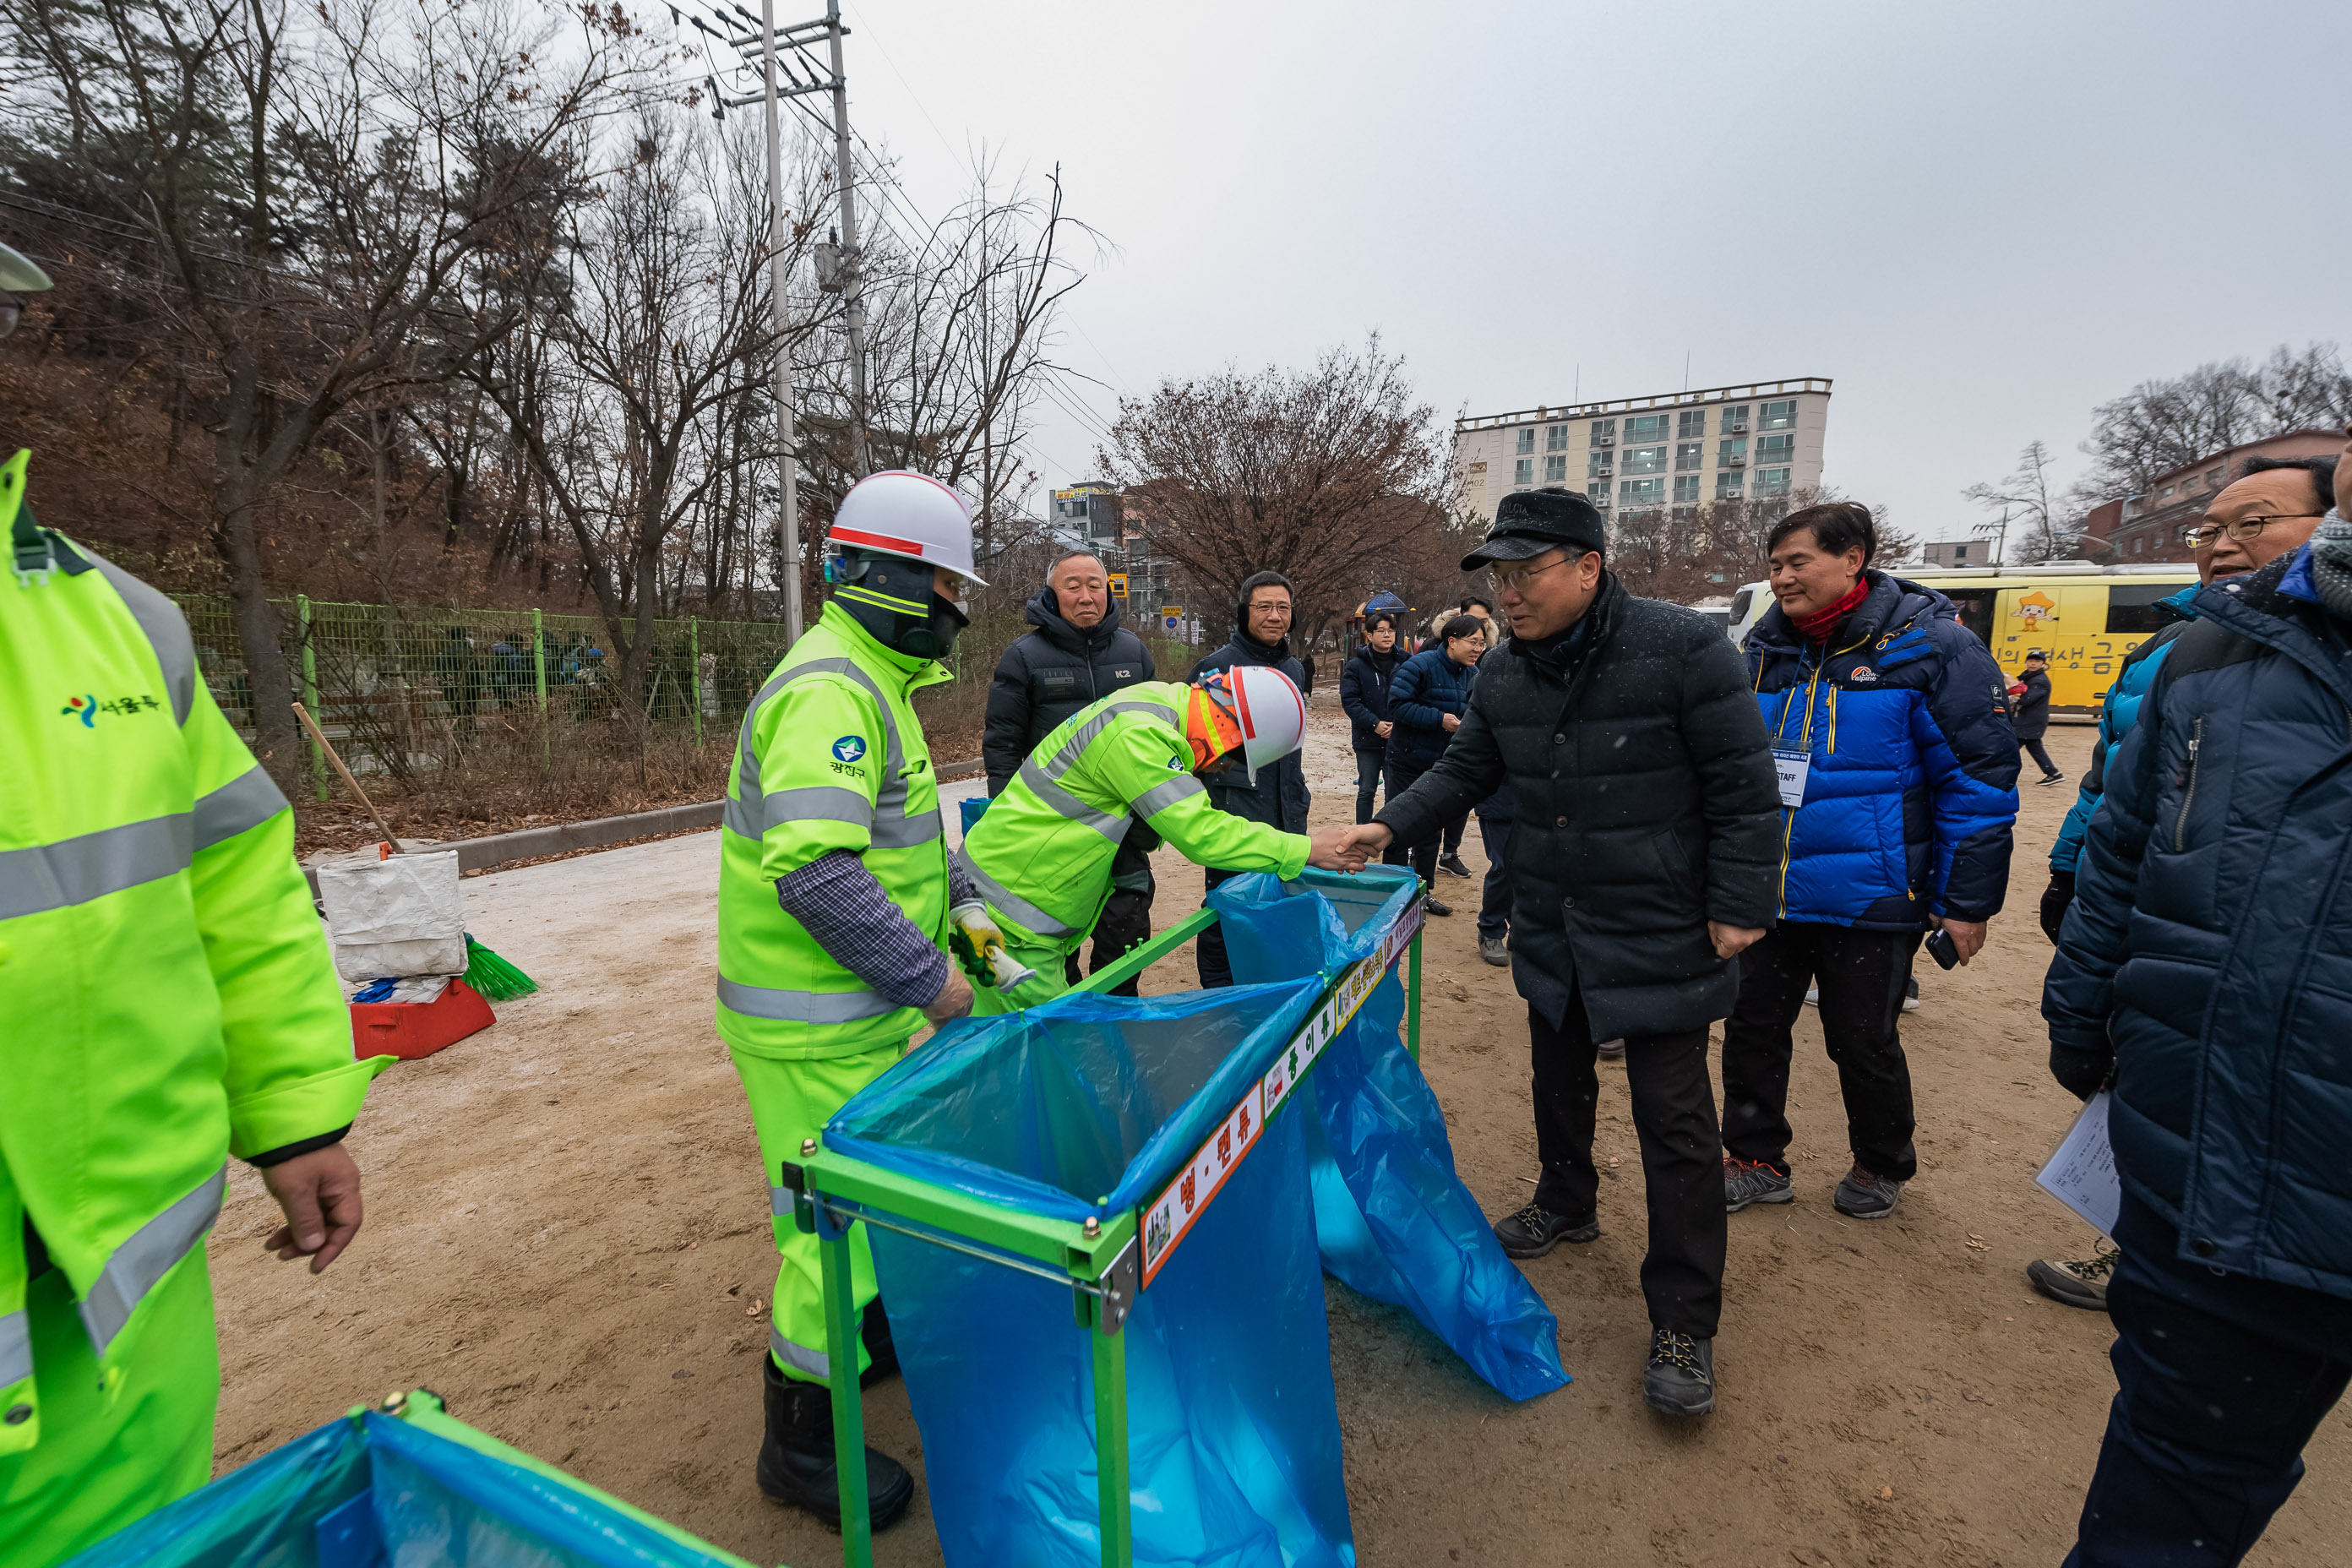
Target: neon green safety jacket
{"type": "Point", "coordinates": [1041, 854]}
{"type": "Point", "coordinates": [831, 757]}
{"type": "Point", "coordinates": [166, 994]}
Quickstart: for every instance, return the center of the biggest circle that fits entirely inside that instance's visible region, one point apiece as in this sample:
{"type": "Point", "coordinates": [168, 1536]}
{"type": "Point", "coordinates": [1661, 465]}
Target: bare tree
{"type": "Point", "coordinates": [2167, 424]}
{"type": "Point", "coordinates": [302, 198]}
{"type": "Point", "coordinates": [1335, 477]}
{"type": "Point", "coordinates": [2031, 513]}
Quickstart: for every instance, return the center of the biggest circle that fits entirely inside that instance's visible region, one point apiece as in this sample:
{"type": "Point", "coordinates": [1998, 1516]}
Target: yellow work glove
{"type": "Point", "coordinates": [985, 941]}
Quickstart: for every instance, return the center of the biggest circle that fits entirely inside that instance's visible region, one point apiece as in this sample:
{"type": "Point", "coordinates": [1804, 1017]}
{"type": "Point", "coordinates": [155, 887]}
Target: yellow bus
{"type": "Point", "coordinates": [2086, 617]}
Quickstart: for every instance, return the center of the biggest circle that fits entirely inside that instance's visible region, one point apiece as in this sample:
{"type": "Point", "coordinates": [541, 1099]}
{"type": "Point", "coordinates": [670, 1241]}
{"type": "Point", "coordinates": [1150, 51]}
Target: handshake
{"type": "Point", "coordinates": [1348, 849]}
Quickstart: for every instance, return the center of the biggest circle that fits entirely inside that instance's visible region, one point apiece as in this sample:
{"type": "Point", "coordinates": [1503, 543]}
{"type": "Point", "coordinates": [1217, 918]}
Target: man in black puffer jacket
{"type": "Point", "coordinates": [1079, 653]}
{"type": "Point", "coordinates": [1279, 798]}
{"type": "Point", "coordinates": [1644, 854]}
{"type": "Point", "coordinates": [2204, 970]}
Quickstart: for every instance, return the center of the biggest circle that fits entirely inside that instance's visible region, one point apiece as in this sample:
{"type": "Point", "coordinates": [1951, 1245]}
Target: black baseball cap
{"type": "Point", "coordinates": [1529, 523]}
{"type": "Point", "coordinates": [2037, 653]}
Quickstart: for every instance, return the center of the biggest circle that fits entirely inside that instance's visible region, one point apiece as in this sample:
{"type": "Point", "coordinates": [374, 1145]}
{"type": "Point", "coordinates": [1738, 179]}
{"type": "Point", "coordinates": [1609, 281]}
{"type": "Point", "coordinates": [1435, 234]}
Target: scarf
{"type": "Point", "coordinates": [1818, 625]}
{"type": "Point", "coordinates": [2331, 563]}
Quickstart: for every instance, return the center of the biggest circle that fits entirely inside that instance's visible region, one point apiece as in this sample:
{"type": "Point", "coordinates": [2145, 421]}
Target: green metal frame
{"type": "Point", "coordinates": [1100, 1258]}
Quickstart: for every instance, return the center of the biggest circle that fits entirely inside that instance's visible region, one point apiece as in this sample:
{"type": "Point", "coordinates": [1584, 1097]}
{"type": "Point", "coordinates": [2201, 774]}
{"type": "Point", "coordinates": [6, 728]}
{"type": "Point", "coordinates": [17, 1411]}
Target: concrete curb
{"type": "Point", "coordinates": [529, 843]}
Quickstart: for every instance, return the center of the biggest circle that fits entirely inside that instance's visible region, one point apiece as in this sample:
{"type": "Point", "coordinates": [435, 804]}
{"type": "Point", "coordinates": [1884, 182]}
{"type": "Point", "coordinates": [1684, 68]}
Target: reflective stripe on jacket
{"type": "Point", "coordinates": [166, 994]}
{"type": "Point", "coordinates": [831, 756]}
{"type": "Point", "coordinates": [1041, 854]}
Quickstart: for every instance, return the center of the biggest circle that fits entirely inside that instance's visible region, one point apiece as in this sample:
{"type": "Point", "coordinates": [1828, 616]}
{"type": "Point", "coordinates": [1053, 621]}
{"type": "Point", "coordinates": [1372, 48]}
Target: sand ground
{"type": "Point", "coordinates": [567, 1238]}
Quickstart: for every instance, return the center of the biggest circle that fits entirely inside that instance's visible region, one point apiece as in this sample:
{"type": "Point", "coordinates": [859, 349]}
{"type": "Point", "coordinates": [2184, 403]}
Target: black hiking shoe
{"type": "Point", "coordinates": [1453, 867]}
{"type": "Point", "coordinates": [796, 1456]}
{"type": "Point", "coordinates": [1865, 1195]}
{"type": "Point", "coordinates": [1536, 1230]}
{"type": "Point", "coordinates": [1436, 906]}
{"type": "Point", "coordinates": [1680, 1378]}
{"type": "Point", "coordinates": [1748, 1182]}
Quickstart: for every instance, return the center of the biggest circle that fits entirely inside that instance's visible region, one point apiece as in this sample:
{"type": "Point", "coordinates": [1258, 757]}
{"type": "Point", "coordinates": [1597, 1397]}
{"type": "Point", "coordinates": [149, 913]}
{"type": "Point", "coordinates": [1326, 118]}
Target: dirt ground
{"type": "Point", "coordinates": [567, 1238]}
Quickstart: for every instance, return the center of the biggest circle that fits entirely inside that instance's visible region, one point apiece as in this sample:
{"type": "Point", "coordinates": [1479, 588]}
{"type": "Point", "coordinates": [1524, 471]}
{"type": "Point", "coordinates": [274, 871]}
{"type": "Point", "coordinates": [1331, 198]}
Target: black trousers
{"type": "Point", "coordinates": [1422, 857]}
{"type": "Point", "coordinates": [1125, 925]}
{"type": "Point", "coordinates": [2219, 1382]}
{"type": "Point", "coordinates": [1369, 763]}
{"type": "Point", "coordinates": [1495, 901]}
{"type": "Point", "coordinates": [2040, 754]}
{"type": "Point", "coordinates": [1209, 947]}
{"type": "Point", "coordinates": [1681, 1167]}
{"type": "Point", "coordinates": [1861, 974]}
{"type": "Point", "coordinates": [1453, 832]}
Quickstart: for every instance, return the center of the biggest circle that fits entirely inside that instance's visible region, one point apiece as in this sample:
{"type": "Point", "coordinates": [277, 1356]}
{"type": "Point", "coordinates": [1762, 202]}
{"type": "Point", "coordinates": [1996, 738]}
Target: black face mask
{"type": "Point", "coordinates": [879, 593]}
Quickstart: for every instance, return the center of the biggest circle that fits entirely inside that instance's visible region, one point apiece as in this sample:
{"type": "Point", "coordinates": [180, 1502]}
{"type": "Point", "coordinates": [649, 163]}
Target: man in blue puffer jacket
{"type": "Point", "coordinates": [2205, 970]}
{"type": "Point", "coordinates": [2251, 523]}
{"type": "Point", "coordinates": [1889, 722]}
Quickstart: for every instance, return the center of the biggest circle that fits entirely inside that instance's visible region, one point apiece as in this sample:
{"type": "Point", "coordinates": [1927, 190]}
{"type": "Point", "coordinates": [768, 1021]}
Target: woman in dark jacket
{"type": "Point", "coordinates": [1364, 694]}
{"type": "Point", "coordinates": [1426, 700]}
{"type": "Point", "coordinates": [2030, 713]}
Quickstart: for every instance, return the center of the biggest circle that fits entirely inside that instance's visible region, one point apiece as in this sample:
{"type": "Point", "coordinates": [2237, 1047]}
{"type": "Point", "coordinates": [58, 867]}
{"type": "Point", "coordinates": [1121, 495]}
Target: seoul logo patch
{"type": "Point", "coordinates": [849, 748]}
{"type": "Point", "coordinates": [84, 708]}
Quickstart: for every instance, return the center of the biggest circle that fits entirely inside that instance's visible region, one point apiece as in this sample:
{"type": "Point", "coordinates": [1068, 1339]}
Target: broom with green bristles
{"type": "Point", "coordinates": [493, 977]}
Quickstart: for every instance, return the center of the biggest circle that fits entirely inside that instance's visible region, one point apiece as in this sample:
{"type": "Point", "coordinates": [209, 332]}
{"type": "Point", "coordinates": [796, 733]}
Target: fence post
{"type": "Point", "coordinates": [694, 663]}
{"type": "Point", "coordinates": [311, 697]}
{"type": "Point", "coordinates": [539, 673]}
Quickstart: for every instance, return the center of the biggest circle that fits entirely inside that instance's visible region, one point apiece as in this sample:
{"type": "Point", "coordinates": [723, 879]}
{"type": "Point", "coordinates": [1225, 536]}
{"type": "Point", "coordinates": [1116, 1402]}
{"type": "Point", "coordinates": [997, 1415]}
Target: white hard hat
{"type": "Point", "coordinates": [1272, 714]}
{"type": "Point", "coordinates": [900, 512]}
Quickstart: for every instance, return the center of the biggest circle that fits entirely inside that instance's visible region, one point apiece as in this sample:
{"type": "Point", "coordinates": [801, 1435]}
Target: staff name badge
{"type": "Point", "coordinates": [1793, 769]}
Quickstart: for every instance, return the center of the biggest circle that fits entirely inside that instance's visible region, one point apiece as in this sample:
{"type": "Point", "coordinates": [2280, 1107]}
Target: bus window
{"type": "Point", "coordinates": [1975, 605]}
{"type": "Point", "coordinates": [2131, 607]}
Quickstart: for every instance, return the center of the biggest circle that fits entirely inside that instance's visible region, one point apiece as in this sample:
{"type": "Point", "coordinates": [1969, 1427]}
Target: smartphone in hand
{"type": "Point", "coordinates": [1943, 949]}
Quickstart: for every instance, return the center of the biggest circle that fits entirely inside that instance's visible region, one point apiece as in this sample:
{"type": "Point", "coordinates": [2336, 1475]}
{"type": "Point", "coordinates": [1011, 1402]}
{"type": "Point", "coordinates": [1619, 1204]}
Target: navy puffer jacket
{"type": "Point", "coordinates": [1912, 788]}
{"type": "Point", "coordinates": [2209, 948]}
{"type": "Point", "coordinates": [1426, 687]}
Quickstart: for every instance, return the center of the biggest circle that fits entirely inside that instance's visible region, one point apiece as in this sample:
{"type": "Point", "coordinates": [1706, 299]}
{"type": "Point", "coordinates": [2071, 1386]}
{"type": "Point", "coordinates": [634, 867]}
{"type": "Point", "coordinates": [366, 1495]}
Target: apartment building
{"type": "Point", "coordinates": [1632, 454]}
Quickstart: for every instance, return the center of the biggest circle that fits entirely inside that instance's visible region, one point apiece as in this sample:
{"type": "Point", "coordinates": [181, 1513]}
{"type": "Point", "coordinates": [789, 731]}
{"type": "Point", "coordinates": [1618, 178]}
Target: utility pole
{"type": "Point", "coordinates": [853, 290]}
{"type": "Point", "coordinates": [838, 271]}
{"type": "Point", "coordinates": [779, 273]}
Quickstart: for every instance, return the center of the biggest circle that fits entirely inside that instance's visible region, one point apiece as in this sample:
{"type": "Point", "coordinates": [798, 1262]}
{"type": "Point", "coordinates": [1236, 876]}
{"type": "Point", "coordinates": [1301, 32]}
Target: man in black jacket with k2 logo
{"type": "Point", "coordinates": [1643, 856]}
{"type": "Point", "coordinates": [1079, 653]}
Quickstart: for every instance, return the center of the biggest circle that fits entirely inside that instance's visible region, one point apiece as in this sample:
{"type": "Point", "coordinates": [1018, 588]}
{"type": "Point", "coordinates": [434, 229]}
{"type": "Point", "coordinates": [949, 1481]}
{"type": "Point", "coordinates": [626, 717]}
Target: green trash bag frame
{"type": "Point", "coordinates": [1101, 1258]}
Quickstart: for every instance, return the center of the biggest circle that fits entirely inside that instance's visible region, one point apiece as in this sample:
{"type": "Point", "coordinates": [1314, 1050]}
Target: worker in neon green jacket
{"type": "Point", "coordinates": [1040, 856]}
{"type": "Point", "coordinates": [833, 892]}
{"type": "Point", "coordinates": [167, 1000]}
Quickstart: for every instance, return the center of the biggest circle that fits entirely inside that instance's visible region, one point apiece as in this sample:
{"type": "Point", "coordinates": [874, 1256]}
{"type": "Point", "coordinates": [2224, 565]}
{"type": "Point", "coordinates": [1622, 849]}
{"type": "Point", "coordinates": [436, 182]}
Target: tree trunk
{"type": "Point", "coordinates": [270, 679]}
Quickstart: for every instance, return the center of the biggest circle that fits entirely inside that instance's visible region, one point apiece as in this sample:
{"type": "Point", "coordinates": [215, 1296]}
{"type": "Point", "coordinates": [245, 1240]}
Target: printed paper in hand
{"type": "Point", "coordinates": [2081, 1174]}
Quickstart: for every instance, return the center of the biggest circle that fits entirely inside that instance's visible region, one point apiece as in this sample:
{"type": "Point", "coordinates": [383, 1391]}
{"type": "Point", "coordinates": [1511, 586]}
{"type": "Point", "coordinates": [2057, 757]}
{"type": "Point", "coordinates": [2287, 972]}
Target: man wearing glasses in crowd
{"type": "Point", "coordinates": [2267, 512]}
{"type": "Point", "coordinates": [1645, 854]}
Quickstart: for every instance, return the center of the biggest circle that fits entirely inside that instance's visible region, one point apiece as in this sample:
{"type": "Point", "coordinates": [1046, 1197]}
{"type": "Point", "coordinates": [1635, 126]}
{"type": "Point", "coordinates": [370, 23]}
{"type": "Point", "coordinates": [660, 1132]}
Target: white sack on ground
{"type": "Point", "coordinates": [395, 918]}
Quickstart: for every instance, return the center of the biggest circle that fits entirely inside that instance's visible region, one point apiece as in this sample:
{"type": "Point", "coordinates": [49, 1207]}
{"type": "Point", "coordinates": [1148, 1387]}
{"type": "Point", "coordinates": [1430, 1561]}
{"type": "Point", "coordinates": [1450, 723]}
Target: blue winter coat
{"type": "Point", "coordinates": [1912, 791]}
{"type": "Point", "coordinates": [2208, 952]}
{"type": "Point", "coordinates": [2116, 715]}
{"type": "Point", "coordinates": [1427, 686]}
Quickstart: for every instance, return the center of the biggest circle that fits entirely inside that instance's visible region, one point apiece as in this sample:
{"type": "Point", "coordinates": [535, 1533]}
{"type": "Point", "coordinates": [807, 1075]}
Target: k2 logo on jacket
{"type": "Point", "coordinates": [849, 748]}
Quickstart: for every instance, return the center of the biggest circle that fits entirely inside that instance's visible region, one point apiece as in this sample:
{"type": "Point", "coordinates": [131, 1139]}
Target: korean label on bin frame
{"type": "Point", "coordinates": [1179, 1203]}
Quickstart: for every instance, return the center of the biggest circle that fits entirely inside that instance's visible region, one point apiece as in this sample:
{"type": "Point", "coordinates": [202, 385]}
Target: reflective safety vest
{"type": "Point", "coordinates": [166, 994]}
{"type": "Point", "coordinates": [831, 757]}
{"type": "Point", "coordinates": [1041, 854]}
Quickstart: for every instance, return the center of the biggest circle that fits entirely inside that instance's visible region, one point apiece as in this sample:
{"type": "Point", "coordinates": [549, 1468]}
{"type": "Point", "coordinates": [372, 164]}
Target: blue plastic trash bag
{"type": "Point", "coordinates": [1393, 1220]}
{"type": "Point", "coordinates": [377, 1491]}
{"type": "Point", "coordinates": [1086, 1105]}
{"type": "Point", "coordinates": [972, 805]}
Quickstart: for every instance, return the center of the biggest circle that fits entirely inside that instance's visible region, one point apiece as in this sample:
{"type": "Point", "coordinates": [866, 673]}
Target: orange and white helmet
{"type": "Point", "coordinates": [1267, 707]}
{"type": "Point", "coordinates": [901, 512]}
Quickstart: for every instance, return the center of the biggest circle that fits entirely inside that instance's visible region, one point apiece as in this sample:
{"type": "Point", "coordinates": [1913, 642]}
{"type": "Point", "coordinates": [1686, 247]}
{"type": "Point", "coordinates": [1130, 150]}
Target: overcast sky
{"type": "Point", "coordinates": [1980, 220]}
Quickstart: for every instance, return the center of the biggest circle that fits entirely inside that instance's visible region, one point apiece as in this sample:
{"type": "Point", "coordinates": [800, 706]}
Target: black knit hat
{"type": "Point", "coordinates": [1529, 523]}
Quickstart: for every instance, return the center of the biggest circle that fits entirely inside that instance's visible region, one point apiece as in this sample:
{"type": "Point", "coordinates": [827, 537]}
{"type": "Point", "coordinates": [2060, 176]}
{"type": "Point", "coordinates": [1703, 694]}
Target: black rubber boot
{"type": "Point", "coordinates": [796, 1458]}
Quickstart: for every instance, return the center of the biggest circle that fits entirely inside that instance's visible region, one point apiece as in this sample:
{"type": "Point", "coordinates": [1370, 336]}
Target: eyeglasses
{"type": "Point", "coordinates": [1515, 581]}
{"type": "Point", "coordinates": [2198, 538]}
